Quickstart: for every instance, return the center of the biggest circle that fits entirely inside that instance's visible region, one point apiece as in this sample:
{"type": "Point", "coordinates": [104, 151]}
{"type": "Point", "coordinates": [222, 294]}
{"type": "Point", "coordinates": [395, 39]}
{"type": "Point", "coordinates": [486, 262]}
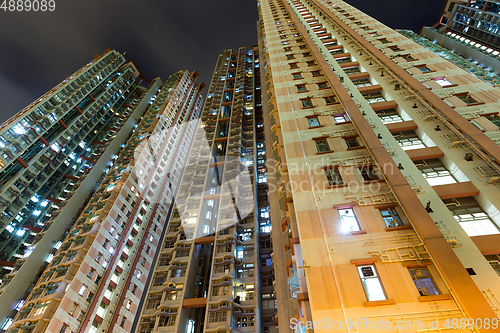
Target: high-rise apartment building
{"type": "Point", "coordinates": [215, 270]}
{"type": "Point", "coordinates": [387, 174]}
{"type": "Point", "coordinates": [53, 154]}
{"type": "Point", "coordinates": [468, 32]}
{"type": "Point", "coordinates": [95, 276]}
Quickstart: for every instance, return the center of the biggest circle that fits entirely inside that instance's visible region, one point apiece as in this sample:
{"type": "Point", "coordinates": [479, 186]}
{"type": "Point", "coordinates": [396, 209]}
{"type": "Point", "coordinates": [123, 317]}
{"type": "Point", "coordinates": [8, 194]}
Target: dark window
{"type": "Point", "coordinates": [301, 87]}
{"type": "Point", "coordinates": [467, 98]}
{"type": "Point", "coordinates": [424, 68]}
{"type": "Point", "coordinates": [290, 56]}
{"type": "Point", "coordinates": [408, 57]}
{"type": "Point", "coordinates": [307, 103]}
{"type": "Point", "coordinates": [352, 142]}
{"type": "Point", "coordinates": [297, 76]}
{"type": "Point", "coordinates": [316, 73]}
{"type": "Point", "coordinates": [322, 146]}
{"type": "Point", "coordinates": [330, 99]}
{"type": "Point", "coordinates": [322, 85]}
{"type": "Point", "coordinates": [294, 65]}
{"type": "Point", "coordinates": [368, 174]}
{"type": "Point", "coordinates": [395, 48]}
{"type": "Point", "coordinates": [494, 119]}
{"type": "Point", "coordinates": [333, 177]}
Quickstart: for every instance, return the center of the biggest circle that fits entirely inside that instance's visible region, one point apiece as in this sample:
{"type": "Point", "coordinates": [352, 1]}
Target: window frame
{"type": "Point", "coordinates": [343, 226]}
{"type": "Point", "coordinates": [392, 213]}
{"type": "Point", "coordinates": [333, 177]}
{"type": "Point", "coordinates": [313, 118]}
{"type": "Point", "coordinates": [376, 277]}
{"type": "Point", "coordinates": [319, 150]}
{"type": "Point", "coordinates": [428, 276]}
{"type": "Point", "coordinates": [301, 88]}
{"type": "Point", "coordinates": [305, 101]}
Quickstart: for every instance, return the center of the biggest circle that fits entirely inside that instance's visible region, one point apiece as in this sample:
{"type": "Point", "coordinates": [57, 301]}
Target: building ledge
{"type": "Point", "coordinates": [380, 303]}
{"type": "Point", "coordinates": [364, 261]}
{"type": "Point", "coordinates": [302, 296]}
{"type": "Point", "coordinates": [433, 298]}
{"type": "Point", "coordinates": [399, 227]}
{"type": "Point", "coordinates": [358, 232]}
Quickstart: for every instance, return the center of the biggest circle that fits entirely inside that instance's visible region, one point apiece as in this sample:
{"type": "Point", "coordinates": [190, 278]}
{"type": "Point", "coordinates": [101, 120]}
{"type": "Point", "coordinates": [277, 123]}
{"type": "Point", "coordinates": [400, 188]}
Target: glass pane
{"type": "Point", "coordinates": [480, 227]}
{"type": "Point", "coordinates": [373, 289]}
{"type": "Point", "coordinates": [348, 220]}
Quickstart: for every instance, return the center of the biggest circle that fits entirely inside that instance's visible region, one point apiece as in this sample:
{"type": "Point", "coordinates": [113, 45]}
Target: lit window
{"type": "Point", "coordinates": [313, 122]}
{"type": "Point", "coordinates": [423, 281]}
{"type": "Point", "coordinates": [82, 290]}
{"type": "Point", "coordinates": [371, 283]}
{"type": "Point", "coordinates": [340, 119]}
{"type": "Point", "coordinates": [443, 82]}
{"type": "Point", "coordinates": [410, 141]}
{"type": "Point", "coordinates": [438, 176]}
{"type": "Point", "coordinates": [348, 220]}
{"type": "Point", "coordinates": [390, 217]}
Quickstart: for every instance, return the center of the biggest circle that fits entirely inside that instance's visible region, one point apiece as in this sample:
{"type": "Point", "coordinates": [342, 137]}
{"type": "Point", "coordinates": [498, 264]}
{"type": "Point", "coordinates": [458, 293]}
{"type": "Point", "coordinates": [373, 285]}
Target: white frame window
{"type": "Point", "coordinates": [348, 220]}
{"type": "Point", "coordinates": [372, 285]}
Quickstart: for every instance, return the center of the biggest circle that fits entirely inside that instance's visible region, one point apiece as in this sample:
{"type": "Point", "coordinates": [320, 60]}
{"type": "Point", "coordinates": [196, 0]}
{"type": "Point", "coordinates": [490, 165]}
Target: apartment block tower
{"type": "Point", "coordinates": [215, 269]}
{"type": "Point", "coordinates": [54, 152]}
{"type": "Point", "coordinates": [95, 276]}
{"type": "Point", "coordinates": [386, 175]}
{"type": "Point", "coordinates": [467, 35]}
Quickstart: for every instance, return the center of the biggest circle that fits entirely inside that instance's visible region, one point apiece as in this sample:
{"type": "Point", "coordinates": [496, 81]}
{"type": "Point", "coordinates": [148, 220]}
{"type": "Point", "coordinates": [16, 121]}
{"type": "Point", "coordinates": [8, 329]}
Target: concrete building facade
{"type": "Point", "coordinates": [215, 269]}
{"type": "Point", "coordinates": [54, 152]}
{"type": "Point", "coordinates": [95, 280]}
{"type": "Point", "coordinates": [385, 185]}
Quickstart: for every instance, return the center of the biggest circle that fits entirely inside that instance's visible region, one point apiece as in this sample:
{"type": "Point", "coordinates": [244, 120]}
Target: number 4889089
{"type": "Point", "coordinates": [28, 5]}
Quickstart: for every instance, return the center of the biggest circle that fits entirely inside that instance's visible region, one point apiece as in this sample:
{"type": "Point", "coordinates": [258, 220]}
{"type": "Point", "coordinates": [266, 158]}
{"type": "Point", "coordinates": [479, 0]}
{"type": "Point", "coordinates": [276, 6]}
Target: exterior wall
{"type": "Point", "coordinates": [338, 45]}
{"type": "Point", "coordinates": [96, 278]}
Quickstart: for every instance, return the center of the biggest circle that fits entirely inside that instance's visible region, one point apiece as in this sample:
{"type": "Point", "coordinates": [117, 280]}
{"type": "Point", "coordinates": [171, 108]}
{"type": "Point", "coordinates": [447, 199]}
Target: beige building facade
{"type": "Point", "coordinates": [386, 182]}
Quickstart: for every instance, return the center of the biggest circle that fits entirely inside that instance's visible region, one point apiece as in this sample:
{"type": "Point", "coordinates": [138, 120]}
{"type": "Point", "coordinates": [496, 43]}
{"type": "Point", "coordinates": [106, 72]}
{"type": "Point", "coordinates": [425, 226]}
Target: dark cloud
{"type": "Point", "coordinates": [40, 49]}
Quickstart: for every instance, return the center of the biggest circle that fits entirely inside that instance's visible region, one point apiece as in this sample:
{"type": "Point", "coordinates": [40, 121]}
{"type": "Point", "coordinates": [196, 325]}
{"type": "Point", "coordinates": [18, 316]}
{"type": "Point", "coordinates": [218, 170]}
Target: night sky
{"type": "Point", "coordinates": [40, 49]}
